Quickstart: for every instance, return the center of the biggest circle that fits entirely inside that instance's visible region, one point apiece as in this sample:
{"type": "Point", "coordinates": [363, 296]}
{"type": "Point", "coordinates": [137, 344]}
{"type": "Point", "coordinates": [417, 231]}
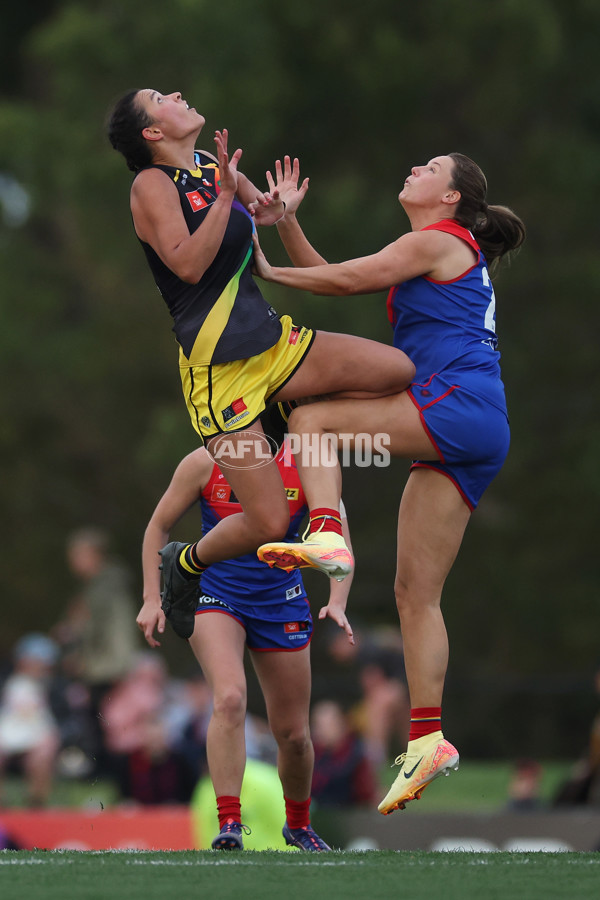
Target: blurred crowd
{"type": "Point", "coordinates": [87, 702]}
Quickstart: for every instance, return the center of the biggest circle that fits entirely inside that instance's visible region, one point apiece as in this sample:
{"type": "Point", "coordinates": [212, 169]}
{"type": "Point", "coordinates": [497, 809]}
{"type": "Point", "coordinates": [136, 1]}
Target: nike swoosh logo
{"type": "Point", "coordinates": [412, 771]}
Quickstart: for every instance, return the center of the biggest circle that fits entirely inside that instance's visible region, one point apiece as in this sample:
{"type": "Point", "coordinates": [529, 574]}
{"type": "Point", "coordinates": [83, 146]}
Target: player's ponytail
{"type": "Point", "coordinates": [124, 128]}
{"type": "Point", "coordinates": [497, 229]}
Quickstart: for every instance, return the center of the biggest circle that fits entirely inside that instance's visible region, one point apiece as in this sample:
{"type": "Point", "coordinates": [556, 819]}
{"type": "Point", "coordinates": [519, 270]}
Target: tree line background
{"type": "Point", "coordinates": [92, 422]}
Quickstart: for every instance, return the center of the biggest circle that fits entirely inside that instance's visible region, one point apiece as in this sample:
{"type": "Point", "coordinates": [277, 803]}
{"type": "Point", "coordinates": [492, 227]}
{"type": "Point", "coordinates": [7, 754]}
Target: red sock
{"type": "Point", "coordinates": [297, 814]}
{"type": "Point", "coordinates": [228, 808]}
{"type": "Point", "coordinates": [324, 519]}
{"type": "Point", "coordinates": [424, 720]}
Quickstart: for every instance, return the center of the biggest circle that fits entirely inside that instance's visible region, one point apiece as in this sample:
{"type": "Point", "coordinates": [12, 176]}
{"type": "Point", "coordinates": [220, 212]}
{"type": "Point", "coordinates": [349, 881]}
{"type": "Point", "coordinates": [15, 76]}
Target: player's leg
{"type": "Point", "coordinates": [285, 679]}
{"type": "Point", "coordinates": [345, 363]}
{"type": "Point", "coordinates": [431, 524]}
{"type": "Point", "coordinates": [218, 643]}
{"type": "Point", "coordinates": [391, 423]}
{"type": "Point", "coordinates": [258, 487]}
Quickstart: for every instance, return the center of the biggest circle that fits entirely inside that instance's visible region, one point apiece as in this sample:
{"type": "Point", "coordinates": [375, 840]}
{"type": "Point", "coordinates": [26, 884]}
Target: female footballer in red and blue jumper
{"type": "Point", "coordinates": [452, 421]}
{"type": "Point", "coordinates": [243, 603]}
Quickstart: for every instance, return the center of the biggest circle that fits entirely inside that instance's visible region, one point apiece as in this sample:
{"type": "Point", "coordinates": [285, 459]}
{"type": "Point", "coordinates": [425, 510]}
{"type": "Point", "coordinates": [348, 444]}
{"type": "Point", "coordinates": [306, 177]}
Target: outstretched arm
{"type": "Point", "coordinates": [415, 253]}
{"type": "Point", "coordinates": [298, 247]}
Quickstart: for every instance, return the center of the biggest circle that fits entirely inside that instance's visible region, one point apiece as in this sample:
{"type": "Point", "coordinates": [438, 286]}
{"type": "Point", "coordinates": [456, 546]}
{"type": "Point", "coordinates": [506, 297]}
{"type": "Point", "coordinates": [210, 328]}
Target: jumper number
{"type": "Point", "coordinates": [490, 313]}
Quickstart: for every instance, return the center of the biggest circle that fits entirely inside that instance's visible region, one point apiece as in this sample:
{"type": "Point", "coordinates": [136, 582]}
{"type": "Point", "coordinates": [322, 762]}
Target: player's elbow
{"type": "Point", "coordinates": [189, 274]}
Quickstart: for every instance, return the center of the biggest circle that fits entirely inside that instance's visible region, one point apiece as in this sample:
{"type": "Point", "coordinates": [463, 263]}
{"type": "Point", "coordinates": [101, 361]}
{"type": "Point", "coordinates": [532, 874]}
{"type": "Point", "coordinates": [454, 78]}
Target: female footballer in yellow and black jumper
{"type": "Point", "coordinates": [194, 216]}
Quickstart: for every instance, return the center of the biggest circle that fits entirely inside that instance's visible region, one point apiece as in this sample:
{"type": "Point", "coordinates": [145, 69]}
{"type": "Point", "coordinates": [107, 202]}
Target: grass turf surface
{"type": "Point", "coordinates": [116, 875]}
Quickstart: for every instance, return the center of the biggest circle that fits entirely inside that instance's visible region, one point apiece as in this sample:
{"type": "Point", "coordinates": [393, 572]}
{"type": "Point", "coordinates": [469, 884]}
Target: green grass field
{"type": "Point", "coordinates": [69, 875]}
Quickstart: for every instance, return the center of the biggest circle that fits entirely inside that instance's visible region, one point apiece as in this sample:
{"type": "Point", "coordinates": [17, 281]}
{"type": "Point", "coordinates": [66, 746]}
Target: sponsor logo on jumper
{"type": "Point", "coordinates": [197, 201]}
{"type": "Point", "coordinates": [294, 334]}
{"type": "Point", "coordinates": [293, 592]}
{"type": "Point", "coordinates": [292, 493]}
{"type": "Point", "coordinates": [221, 492]}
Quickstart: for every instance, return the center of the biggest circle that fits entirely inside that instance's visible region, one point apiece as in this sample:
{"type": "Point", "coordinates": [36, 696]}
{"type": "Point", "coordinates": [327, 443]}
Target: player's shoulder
{"type": "Point", "coordinates": [149, 182]}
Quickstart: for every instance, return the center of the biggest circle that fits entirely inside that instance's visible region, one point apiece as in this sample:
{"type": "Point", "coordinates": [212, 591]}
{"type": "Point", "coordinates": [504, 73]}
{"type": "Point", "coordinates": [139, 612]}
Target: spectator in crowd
{"type": "Point", "coordinates": [583, 784]}
{"type": "Point", "coordinates": [524, 787]}
{"type": "Point", "coordinates": [382, 716]}
{"type": "Point", "coordinates": [154, 773]}
{"type": "Point", "coordinates": [140, 696]}
{"type": "Point", "coordinates": [98, 634]}
{"type": "Point", "coordinates": [29, 735]}
{"type": "Point", "coordinates": [343, 775]}
{"type": "Point", "coordinates": [191, 741]}
{"type": "Point", "coordinates": [375, 682]}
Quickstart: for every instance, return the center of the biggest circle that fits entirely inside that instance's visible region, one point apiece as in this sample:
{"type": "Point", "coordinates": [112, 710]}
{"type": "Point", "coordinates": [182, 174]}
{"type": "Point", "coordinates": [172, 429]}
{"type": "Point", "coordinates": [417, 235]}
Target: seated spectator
{"type": "Point", "coordinates": [29, 735]}
{"type": "Point", "coordinates": [140, 696]}
{"type": "Point", "coordinates": [154, 773]}
{"type": "Point", "coordinates": [343, 775]}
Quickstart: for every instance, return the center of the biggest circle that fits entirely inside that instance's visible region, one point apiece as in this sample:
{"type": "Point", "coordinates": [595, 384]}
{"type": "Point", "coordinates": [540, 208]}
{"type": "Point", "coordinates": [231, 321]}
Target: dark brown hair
{"type": "Point", "coordinates": [124, 129]}
{"type": "Point", "coordinates": [497, 229]}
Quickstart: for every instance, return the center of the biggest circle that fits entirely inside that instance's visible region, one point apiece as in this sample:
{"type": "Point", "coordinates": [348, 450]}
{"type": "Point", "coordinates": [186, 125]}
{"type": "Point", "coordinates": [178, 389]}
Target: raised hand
{"type": "Point", "coordinates": [227, 167]}
{"type": "Point", "coordinates": [285, 184]}
{"type": "Point", "coordinates": [267, 209]}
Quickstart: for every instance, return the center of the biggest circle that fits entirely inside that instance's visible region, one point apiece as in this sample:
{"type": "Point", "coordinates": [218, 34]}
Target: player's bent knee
{"type": "Point", "coordinates": [270, 528]}
{"type": "Point", "coordinates": [230, 704]}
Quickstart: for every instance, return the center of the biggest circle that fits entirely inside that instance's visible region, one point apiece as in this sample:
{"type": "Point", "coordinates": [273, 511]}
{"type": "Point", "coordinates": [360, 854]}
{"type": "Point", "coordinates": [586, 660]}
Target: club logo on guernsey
{"type": "Point", "coordinates": [293, 592]}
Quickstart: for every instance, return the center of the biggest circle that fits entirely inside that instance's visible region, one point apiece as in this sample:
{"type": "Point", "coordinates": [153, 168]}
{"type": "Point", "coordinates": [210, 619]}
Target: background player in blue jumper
{"type": "Point", "coordinates": [242, 602]}
{"type": "Point", "coordinates": [452, 421]}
